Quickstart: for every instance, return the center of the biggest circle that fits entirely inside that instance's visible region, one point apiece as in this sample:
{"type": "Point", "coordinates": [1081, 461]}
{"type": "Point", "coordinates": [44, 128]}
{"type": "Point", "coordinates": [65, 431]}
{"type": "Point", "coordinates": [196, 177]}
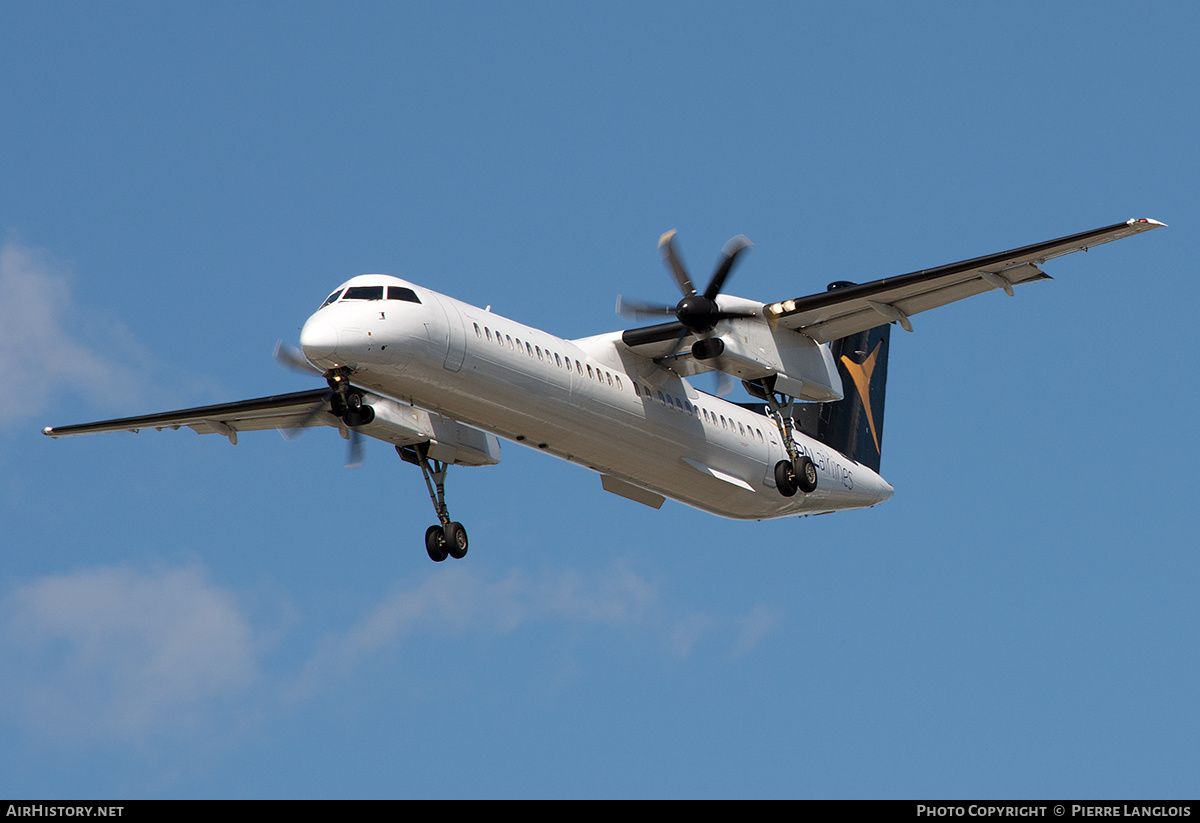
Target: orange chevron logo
{"type": "Point", "coordinates": [860, 373]}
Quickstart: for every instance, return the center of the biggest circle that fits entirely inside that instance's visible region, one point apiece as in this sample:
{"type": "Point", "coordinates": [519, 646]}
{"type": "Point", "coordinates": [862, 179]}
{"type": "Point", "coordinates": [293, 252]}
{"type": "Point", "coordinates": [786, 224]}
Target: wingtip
{"type": "Point", "coordinates": [1147, 221]}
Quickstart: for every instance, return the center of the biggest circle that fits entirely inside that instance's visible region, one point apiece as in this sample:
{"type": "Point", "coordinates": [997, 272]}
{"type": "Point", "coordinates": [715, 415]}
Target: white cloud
{"type": "Point", "coordinates": [754, 627]}
{"type": "Point", "coordinates": [461, 600]}
{"type": "Point", "coordinates": [115, 653]}
{"type": "Point", "coordinates": [39, 347]}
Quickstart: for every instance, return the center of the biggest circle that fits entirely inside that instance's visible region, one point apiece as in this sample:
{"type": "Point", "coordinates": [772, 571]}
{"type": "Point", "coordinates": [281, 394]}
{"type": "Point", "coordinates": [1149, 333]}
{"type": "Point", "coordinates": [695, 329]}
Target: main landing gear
{"type": "Point", "coordinates": [788, 480]}
{"type": "Point", "coordinates": [446, 539]}
{"type": "Point", "coordinates": [797, 473]}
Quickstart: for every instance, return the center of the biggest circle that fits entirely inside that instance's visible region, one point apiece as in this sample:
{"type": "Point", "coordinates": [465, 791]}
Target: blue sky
{"type": "Point", "coordinates": [180, 187]}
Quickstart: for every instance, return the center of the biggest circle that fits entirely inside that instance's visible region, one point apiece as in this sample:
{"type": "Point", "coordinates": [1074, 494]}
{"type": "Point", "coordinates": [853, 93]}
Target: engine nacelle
{"type": "Point", "coordinates": [752, 349]}
{"type": "Point", "coordinates": [797, 365]}
{"type": "Point", "coordinates": [449, 441]}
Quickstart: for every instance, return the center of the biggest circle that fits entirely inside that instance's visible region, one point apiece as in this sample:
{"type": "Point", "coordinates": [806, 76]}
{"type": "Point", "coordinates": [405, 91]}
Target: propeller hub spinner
{"type": "Point", "coordinates": [698, 313]}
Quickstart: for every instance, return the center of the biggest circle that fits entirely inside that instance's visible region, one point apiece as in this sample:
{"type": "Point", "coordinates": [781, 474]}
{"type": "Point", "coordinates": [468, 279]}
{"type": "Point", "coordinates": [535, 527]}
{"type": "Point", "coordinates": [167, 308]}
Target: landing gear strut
{"type": "Point", "coordinates": [447, 538]}
{"type": "Point", "coordinates": [797, 473]}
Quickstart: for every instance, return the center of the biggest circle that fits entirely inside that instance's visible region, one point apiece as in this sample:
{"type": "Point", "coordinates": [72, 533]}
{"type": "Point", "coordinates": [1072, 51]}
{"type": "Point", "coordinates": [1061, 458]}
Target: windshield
{"type": "Point", "coordinates": [374, 293]}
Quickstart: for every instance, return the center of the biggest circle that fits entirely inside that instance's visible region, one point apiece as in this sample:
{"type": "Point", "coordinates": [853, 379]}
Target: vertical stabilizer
{"type": "Point", "coordinates": [853, 425]}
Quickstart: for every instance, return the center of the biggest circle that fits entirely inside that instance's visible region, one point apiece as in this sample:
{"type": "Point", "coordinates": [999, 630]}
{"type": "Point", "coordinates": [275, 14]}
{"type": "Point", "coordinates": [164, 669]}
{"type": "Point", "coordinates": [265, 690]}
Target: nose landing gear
{"type": "Point", "coordinates": [447, 538]}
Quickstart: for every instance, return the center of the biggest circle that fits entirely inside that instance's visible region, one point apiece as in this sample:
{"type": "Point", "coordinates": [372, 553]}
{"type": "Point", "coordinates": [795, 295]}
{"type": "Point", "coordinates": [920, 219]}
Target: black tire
{"type": "Point", "coordinates": [785, 478]}
{"type": "Point", "coordinates": [456, 541]}
{"type": "Point", "coordinates": [806, 475]}
{"type": "Point", "coordinates": [435, 544]}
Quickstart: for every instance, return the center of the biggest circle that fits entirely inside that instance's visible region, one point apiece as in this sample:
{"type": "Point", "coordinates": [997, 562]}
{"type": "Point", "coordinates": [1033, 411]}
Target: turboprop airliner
{"type": "Point", "coordinates": [443, 381]}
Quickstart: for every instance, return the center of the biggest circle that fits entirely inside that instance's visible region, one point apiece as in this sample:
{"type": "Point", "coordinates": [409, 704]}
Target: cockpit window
{"type": "Point", "coordinates": [402, 293]}
{"type": "Point", "coordinates": [374, 293]}
{"type": "Point", "coordinates": [363, 293]}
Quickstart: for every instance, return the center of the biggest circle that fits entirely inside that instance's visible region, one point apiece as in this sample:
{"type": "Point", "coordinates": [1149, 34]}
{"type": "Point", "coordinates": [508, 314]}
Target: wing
{"type": "Point", "coordinates": [284, 411]}
{"type": "Point", "coordinates": [854, 308]}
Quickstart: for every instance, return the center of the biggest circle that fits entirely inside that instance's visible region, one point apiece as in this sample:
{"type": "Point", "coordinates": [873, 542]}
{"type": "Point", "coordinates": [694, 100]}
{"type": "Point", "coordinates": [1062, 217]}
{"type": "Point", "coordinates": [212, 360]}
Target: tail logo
{"type": "Point", "coordinates": [860, 373]}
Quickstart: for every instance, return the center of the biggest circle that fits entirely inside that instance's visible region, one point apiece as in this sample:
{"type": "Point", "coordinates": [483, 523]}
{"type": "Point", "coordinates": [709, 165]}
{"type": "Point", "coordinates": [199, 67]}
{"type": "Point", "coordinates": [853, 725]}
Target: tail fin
{"type": "Point", "coordinates": [853, 425]}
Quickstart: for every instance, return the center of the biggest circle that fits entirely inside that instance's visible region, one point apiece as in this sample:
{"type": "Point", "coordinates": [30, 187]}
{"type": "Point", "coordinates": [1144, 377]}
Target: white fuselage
{"type": "Point", "coordinates": [590, 401]}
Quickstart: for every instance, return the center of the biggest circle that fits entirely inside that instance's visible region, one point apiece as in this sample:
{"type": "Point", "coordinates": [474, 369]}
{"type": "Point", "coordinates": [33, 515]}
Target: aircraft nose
{"type": "Point", "coordinates": [318, 340]}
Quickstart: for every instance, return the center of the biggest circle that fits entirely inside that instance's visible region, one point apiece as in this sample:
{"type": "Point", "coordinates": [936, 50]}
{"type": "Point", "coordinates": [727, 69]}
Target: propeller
{"type": "Point", "coordinates": [292, 358]}
{"type": "Point", "coordinates": [697, 312]}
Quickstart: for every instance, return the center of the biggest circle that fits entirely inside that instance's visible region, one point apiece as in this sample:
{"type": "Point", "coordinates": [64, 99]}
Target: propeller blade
{"type": "Point", "coordinates": [731, 315]}
{"type": "Point", "coordinates": [666, 245]}
{"type": "Point", "coordinates": [729, 256]}
{"type": "Point", "coordinates": [638, 308]}
{"type": "Point", "coordinates": [683, 332]}
{"type": "Point", "coordinates": [292, 358]}
{"type": "Point", "coordinates": [354, 457]}
{"type": "Point", "coordinates": [317, 409]}
{"type": "Point", "coordinates": [725, 384]}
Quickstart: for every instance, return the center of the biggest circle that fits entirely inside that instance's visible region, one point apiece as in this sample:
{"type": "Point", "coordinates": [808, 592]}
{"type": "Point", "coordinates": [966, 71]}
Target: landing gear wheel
{"type": "Point", "coordinates": [785, 478]}
{"type": "Point", "coordinates": [806, 475]}
{"type": "Point", "coordinates": [435, 543]}
{"type": "Point", "coordinates": [456, 540]}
